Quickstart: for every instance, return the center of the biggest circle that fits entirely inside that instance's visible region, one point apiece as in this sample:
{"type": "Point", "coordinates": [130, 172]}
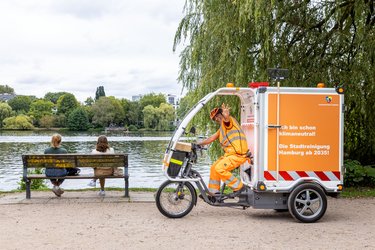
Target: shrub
{"type": "Point", "coordinates": [358, 175]}
{"type": "Point", "coordinates": [132, 128]}
{"type": "Point", "coordinates": [35, 184]}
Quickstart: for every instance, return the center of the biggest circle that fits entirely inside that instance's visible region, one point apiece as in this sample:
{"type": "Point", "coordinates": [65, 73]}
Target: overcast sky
{"type": "Point", "coordinates": [78, 45]}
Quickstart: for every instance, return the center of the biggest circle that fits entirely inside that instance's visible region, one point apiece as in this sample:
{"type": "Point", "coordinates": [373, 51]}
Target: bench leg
{"type": "Point", "coordinates": [126, 186]}
{"type": "Point", "coordinates": [28, 192]}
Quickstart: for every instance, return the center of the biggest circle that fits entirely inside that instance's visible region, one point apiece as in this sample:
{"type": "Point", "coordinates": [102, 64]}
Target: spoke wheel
{"type": "Point", "coordinates": [175, 199]}
{"type": "Point", "coordinates": [307, 203]}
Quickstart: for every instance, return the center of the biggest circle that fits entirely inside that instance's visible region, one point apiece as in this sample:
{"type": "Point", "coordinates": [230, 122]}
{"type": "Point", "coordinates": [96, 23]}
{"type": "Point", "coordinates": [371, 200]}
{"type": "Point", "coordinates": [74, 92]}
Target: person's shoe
{"type": "Point", "coordinates": [56, 191]}
{"type": "Point", "coordinates": [238, 192]}
{"type": "Point", "coordinates": [92, 183]}
{"type": "Point", "coordinates": [101, 193]}
{"type": "Point", "coordinates": [61, 191]}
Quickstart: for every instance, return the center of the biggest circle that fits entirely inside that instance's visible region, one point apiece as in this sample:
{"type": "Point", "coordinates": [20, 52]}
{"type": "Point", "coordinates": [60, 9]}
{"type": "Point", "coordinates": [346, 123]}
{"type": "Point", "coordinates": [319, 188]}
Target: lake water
{"type": "Point", "coordinates": [145, 150]}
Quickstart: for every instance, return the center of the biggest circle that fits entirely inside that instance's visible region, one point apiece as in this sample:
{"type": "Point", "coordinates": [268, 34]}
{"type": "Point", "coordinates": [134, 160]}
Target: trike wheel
{"type": "Point", "coordinates": [307, 203]}
{"type": "Point", "coordinates": [175, 199]}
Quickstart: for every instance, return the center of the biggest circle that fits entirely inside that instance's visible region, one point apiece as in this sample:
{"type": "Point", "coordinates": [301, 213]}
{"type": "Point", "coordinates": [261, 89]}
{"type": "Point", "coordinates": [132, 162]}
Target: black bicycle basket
{"type": "Point", "coordinates": [177, 161]}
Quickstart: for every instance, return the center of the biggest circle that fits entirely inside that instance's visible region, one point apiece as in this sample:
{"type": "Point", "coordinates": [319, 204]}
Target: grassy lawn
{"type": "Point", "coordinates": [356, 192]}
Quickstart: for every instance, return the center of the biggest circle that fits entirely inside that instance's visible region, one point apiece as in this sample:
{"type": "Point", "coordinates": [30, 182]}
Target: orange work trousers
{"type": "Point", "coordinates": [221, 171]}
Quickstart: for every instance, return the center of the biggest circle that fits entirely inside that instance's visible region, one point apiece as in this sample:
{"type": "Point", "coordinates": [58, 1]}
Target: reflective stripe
{"type": "Point", "coordinates": [214, 182]}
{"type": "Point", "coordinates": [234, 141]}
{"type": "Point", "coordinates": [213, 190]}
{"type": "Point", "coordinates": [176, 161]}
{"type": "Point", "coordinates": [232, 178]}
{"type": "Point", "coordinates": [236, 185]}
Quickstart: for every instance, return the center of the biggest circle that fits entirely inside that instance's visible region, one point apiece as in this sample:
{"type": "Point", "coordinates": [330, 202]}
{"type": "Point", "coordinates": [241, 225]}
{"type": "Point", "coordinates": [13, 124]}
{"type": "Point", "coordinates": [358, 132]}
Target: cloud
{"type": "Point", "coordinates": [76, 46]}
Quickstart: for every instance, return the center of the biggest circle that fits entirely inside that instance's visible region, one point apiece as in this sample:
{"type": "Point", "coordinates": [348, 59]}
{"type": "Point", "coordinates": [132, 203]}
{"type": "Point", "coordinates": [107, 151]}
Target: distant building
{"type": "Point", "coordinates": [136, 98]}
{"type": "Point", "coordinates": [173, 100]}
{"type": "Point", "coordinates": [6, 97]}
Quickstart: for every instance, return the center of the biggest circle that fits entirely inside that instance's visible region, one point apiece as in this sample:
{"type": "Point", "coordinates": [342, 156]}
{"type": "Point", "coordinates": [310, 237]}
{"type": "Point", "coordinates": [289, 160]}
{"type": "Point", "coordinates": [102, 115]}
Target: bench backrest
{"type": "Point", "coordinates": [74, 160]}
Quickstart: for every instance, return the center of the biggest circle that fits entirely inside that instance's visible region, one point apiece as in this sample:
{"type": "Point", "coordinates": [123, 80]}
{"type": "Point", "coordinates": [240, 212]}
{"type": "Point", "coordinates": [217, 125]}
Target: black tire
{"type": "Point", "coordinates": [307, 203]}
{"type": "Point", "coordinates": [173, 203]}
{"type": "Point", "coordinates": [281, 210]}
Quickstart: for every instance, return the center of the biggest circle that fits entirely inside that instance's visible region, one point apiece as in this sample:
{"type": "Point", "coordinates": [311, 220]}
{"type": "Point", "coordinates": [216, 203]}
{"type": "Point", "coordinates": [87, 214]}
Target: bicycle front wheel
{"type": "Point", "coordinates": [175, 199]}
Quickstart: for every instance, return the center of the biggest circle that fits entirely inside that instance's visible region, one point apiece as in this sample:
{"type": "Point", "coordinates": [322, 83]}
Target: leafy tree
{"type": "Point", "coordinates": [158, 118]}
{"type": "Point", "coordinates": [150, 116]}
{"type": "Point", "coordinates": [18, 122]}
{"type": "Point", "coordinates": [5, 111]}
{"type": "Point", "coordinates": [60, 121]}
{"type": "Point", "coordinates": [134, 116]}
{"type": "Point", "coordinates": [54, 96]}
{"type": "Point", "coordinates": [40, 108]}
{"type": "Point", "coordinates": [5, 89]}
{"type": "Point", "coordinates": [166, 116]}
{"type": "Point", "coordinates": [186, 104]}
{"type": "Point", "coordinates": [99, 92]}
{"type": "Point", "coordinates": [89, 101]}
{"type": "Point", "coordinates": [104, 112]}
{"type": "Point", "coordinates": [21, 103]}
{"type": "Point", "coordinates": [47, 121]}
{"type": "Point", "coordinates": [152, 99]}
{"type": "Point", "coordinates": [319, 41]}
{"type": "Point", "coordinates": [66, 104]}
{"type": "Point", "coordinates": [78, 120]}
{"type": "Point", "coordinates": [119, 111]}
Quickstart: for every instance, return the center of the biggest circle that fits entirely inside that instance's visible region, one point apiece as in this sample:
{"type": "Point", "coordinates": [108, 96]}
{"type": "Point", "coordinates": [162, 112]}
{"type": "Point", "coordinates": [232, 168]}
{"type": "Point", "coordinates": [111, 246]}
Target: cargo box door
{"type": "Point", "coordinates": [308, 140]}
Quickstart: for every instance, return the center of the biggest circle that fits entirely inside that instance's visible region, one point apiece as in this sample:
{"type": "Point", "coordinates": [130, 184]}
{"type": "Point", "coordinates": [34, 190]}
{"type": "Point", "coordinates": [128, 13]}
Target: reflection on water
{"type": "Point", "coordinates": [145, 156]}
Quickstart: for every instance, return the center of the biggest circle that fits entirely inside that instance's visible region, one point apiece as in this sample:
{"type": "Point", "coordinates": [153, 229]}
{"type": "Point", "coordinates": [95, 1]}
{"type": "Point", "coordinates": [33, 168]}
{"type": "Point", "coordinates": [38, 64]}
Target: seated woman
{"type": "Point", "coordinates": [56, 149]}
{"type": "Point", "coordinates": [102, 147]}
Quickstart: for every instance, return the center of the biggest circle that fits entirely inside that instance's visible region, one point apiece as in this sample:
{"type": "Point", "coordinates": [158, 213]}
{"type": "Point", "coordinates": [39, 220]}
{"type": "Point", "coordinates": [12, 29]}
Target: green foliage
{"type": "Point", "coordinates": [134, 115]}
{"type": "Point", "coordinates": [89, 101]}
{"type": "Point", "coordinates": [54, 96]}
{"type": "Point", "coordinates": [104, 112]}
{"type": "Point", "coordinates": [21, 103]}
{"type": "Point", "coordinates": [186, 104]}
{"type": "Point", "coordinates": [78, 120]}
{"type": "Point", "coordinates": [356, 192]}
{"type": "Point", "coordinates": [158, 118]}
{"type": "Point", "coordinates": [119, 111]}
{"type": "Point", "coordinates": [5, 89]}
{"type": "Point", "coordinates": [40, 108]}
{"type": "Point", "coordinates": [149, 116]}
{"type": "Point", "coordinates": [47, 121]}
{"type": "Point", "coordinates": [152, 99]}
{"type": "Point", "coordinates": [66, 104]}
{"type": "Point", "coordinates": [18, 122]}
{"type": "Point", "coordinates": [60, 120]}
{"type": "Point", "coordinates": [5, 111]}
{"type": "Point", "coordinates": [358, 175]}
{"type": "Point", "coordinates": [132, 128]}
{"type": "Point", "coordinates": [99, 92]}
{"type": "Point", "coordinates": [319, 41]}
{"type": "Point", "coordinates": [35, 184]}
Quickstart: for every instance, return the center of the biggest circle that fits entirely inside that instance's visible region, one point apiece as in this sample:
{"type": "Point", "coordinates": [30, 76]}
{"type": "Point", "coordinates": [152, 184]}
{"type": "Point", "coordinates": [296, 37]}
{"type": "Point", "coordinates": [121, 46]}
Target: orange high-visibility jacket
{"type": "Point", "coordinates": [232, 138]}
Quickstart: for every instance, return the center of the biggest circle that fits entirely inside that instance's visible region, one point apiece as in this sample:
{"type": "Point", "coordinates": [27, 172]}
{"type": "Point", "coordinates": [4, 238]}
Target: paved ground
{"type": "Point", "coordinates": [46, 197]}
{"type": "Point", "coordinates": [82, 220]}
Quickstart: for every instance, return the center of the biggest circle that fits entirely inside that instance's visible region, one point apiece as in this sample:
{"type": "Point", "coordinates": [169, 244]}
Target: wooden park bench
{"type": "Point", "coordinates": [73, 161]}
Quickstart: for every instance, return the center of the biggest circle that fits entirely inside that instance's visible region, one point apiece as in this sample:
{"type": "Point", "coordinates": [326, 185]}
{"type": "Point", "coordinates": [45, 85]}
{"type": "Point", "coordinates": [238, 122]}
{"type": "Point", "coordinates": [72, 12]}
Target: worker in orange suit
{"type": "Point", "coordinates": [233, 141]}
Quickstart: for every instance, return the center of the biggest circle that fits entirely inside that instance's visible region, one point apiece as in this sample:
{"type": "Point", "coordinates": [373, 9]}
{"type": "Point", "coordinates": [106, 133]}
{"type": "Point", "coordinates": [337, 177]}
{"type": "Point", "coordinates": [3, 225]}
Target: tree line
{"type": "Point", "coordinates": [62, 110]}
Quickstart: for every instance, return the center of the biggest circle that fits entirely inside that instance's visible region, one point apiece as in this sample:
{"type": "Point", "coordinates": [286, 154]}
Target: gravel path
{"type": "Point", "coordinates": [63, 224]}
